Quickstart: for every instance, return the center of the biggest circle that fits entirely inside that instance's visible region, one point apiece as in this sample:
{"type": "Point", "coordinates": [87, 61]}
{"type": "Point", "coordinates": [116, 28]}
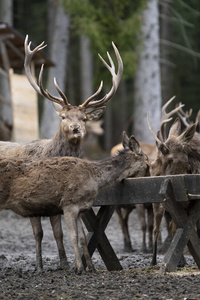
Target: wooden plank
{"type": "Point", "coordinates": [185, 234]}
{"type": "Point", "coordinates": [25, 109]}
{"type": "Point", "coordinates": [147, 190]}
{"type": "Point", "coordinates": [96, 224]}
{"type": "Point", "coordinates": [174, 253]}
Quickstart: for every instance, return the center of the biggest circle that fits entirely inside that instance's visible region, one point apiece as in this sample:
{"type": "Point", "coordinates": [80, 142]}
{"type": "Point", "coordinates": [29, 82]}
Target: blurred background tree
{"type": "Point", "coordinates": [92, 27]}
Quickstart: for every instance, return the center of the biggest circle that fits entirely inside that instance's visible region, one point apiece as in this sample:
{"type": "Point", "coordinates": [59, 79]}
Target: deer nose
{"type": "Point", "coordinates": [75, 127]}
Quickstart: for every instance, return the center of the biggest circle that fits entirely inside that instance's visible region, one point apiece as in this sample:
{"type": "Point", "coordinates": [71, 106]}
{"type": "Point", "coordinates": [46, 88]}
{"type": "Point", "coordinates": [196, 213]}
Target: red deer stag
{"type": "Point", "coordinates": [68, 139]}
{"type": "Point", "coordinates": [68, 185]}
{"type": "Point", "coordinates": [178, 154]}
{"type": "Point", "coordinates": [124, 211]}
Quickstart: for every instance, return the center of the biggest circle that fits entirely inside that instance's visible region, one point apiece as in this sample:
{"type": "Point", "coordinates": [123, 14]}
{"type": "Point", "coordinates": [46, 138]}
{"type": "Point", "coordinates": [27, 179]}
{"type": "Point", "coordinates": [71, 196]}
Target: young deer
{"type": "Point", "coordinates": [68, 139]}
{"type": "Point", "coordinates": [124, 211]}
{"type": "Point", "coordinates": [48, 187]}
{"type": "Point", "coordinates": [178, 154]}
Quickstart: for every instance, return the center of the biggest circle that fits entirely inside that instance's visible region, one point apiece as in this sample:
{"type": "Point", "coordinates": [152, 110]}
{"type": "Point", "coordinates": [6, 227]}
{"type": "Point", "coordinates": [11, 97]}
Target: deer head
{"type": "Point", "coordinates": [175, 154]}
{"type": "Point", "coordinates": [158, 166]}
{"type": "Point", "coordinates": [73, 118]}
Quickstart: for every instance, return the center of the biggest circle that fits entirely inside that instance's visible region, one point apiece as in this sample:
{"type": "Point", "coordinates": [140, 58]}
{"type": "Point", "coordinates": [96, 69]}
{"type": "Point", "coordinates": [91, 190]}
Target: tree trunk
{"type": "Point", "coordinates": [6, 15]}
{"type": "Point", "coordinates": [86, 68]}
{"type": "Point", "coordinates": [59, 40]}
{"type": "Point", "coordinates": [147, 98]}
{"type": "Point", "coordinates": [6, 11]}
{"type": "Point", "coordinates": [166, 65]}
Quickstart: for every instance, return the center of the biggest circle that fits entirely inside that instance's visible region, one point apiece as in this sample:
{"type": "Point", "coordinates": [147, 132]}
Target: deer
{"type": "Point", "coordinates": [67, 141]}
{"type": "Point", "coordinates": [68, 185]}
{"type": "Point", "coordinates": [124, 211]}
{"type": "Point", "coordinates": [178, 154]}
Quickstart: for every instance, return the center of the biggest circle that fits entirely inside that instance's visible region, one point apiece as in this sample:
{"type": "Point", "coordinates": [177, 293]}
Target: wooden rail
{"type": "Point", "coordinates": [169, 189]}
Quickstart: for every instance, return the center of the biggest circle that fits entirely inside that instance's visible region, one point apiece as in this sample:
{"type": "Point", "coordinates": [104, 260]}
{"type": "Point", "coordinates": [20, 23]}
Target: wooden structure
{"type": "Point", "coordinates": [22, 97]}
{"type": "Point", "coordinates": [173, 190]}
{"type": "Point", "coordinates": [24, 109]}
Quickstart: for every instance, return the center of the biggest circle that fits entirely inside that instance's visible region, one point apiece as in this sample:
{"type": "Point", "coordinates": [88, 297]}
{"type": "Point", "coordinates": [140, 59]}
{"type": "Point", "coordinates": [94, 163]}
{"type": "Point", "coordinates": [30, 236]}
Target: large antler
{"type": "Point", "coordinates": [39, 88]}
{"type": "Point", "coordinates": [115, 79]}
{"type": "Point", "coordinates": [63, 100]}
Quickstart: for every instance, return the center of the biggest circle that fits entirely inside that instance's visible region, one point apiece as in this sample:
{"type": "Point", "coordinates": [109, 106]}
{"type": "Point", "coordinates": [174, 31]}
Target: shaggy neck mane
{"type": "Point", "coordinates": [62, 147]}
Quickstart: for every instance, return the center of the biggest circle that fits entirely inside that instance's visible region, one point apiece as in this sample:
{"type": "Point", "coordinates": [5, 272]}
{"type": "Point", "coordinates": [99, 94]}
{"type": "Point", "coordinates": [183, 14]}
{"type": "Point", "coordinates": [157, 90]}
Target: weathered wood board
{"type": "Point", "coordinates": [25, 109]}
{"type": "Point", "coordinates": [147, 190]}
{"type": "Point", "coordinates": [172, 190]}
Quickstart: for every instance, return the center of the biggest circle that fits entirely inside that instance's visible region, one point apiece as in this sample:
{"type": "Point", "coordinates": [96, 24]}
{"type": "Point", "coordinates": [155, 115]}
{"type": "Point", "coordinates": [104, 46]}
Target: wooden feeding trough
{"type": "Point", "coordinates": [173, 190]}
{"type": "Point", "coordinates": [23, 98]}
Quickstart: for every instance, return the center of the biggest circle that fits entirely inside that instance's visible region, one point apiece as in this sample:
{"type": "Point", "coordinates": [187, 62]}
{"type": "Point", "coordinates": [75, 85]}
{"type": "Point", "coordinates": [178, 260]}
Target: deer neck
{"type": "Point", "coordinates": [63, 147]}
{"type": "Point", "coordinates": [113, 170]}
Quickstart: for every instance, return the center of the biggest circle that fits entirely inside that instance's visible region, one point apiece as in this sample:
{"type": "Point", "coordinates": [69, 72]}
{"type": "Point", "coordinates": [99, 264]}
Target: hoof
{"type": "Point", "coordinates": [91, 269]}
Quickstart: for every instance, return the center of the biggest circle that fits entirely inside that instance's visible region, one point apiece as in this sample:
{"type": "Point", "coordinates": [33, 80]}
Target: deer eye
{"type": "Point", "coordinates": [84, 119]}
{"type": "Point", "coordinates": [63, 117]}
{"type": "Point", "coordinates": [170, 160]}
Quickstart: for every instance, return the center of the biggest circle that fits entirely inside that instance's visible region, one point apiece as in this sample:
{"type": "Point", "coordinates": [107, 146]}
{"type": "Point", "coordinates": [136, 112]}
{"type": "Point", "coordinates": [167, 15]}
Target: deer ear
{"type": "Point", "coordinates": [131, 143]}
{"type": "Point", "coordinates": [134, 145]}
{"type": "Point", "coordinates": [175, 128]}
{"type": "Point", "coordinates": [95, 114]}
{"type": "Point", "coordinates": [187, 135]}
{"type": "Point", "coordinates": [125, 140]}
{"type": "Point", "coordinates": [57, 107]}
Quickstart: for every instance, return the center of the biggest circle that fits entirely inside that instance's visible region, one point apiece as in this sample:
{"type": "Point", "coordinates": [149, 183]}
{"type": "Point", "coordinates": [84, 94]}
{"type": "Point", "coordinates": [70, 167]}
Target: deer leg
{"type": "Point", "coordinates": [58, 235]}
{"type": "Point", "coordinates": [38, 233]}
{"type": "Point", "coordinates": [83, 243]}
{"type": "Point", "coordinates": [141, 215]}
{"type": "Point", "coordinates": [71, 218]}
{"type": "Point", "coordinates": [150, 226]}
{"type": "Point", "coordinates": [123, 221]}
{"type": "Point", "coordinates": [158, 211]}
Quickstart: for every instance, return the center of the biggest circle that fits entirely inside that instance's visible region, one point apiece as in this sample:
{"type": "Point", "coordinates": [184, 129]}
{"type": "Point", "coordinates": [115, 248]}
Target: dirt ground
{"type": "Point", "coordinates": [137, 280]}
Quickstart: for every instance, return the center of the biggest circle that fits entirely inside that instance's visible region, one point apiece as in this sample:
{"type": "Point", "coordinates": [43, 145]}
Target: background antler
{"type": "Point", "coordinates": [167, 117]}
{"type": "Point", "coordinates": [185, 116]}
{"type": "Point", "coordinates": [115, 79]}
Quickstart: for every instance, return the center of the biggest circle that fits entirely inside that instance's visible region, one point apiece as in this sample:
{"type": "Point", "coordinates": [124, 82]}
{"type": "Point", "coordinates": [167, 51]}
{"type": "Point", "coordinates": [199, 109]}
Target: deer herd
{"type": "Point", "coordinates": [48, 177]}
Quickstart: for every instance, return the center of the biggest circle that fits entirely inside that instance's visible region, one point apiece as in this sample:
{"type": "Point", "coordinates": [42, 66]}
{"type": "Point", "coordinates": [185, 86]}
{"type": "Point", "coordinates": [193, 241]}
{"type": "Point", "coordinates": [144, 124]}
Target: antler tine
{"type": "Point", "coordinates": [39, 88]}
{"type": "Point", "coordinates": [151, 130]}
{"type": "Point", "coordinates": [60, 92]}
{"type": "Point", "coordinates": [45, 93]}
{"type": "Point", "coordinates": [115, 79]}
{"type": "Point", "coordinates": [184, 116]}
{"type": "Point", "coordinates": [85, 104]}
{"type": "Point", "coordinates": [166, 117]}
{"type": "Point", "coordinates": [28, 57]}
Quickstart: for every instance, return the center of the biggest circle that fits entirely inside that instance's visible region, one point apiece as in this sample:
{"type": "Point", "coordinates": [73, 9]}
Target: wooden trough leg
{"type": "Point", "coordinates": [185, 233]}
{"type": "Point", "coordinates": [96, 225]}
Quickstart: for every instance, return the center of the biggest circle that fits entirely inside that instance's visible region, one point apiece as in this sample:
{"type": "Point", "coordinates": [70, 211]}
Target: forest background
{"type": "Point", "coordinates": [76, 31]}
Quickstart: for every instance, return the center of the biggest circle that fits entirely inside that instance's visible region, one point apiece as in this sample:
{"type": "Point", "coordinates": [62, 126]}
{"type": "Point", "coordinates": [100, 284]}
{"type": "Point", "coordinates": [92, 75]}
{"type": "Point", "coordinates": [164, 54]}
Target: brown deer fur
{"type": "Point", "coordinates": [67, 141]}
{"type": "Point", "coordinates": [70, 185]}
{"type": "Point", "coordinates": [123, 212]}
{"type": "Point", "coordinates": [179, 154]}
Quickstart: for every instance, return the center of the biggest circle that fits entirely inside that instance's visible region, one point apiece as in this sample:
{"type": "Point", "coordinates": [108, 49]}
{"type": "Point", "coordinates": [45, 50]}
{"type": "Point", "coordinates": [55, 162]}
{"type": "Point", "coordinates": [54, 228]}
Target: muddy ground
{"type": "Point", "coordinates": [137, 280]}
